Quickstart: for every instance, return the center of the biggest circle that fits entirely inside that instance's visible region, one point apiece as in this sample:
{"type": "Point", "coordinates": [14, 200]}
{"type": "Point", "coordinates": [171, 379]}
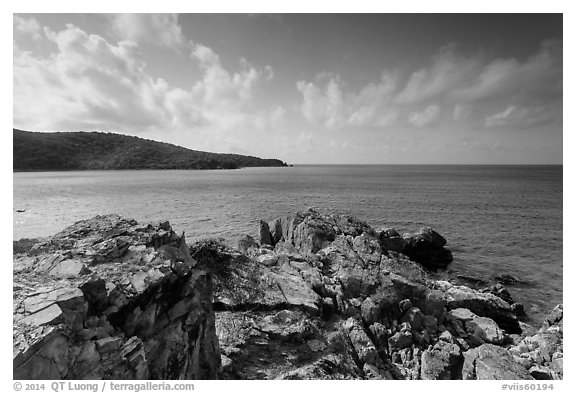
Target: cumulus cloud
{"type": "Point", "coordinates": [28, 26]}
{"type": "Point", "coordinates": [451, 80]}
{"type": "Point", "coordinates": [427, 117]}
{"type": "Point", "coordinates": [446, 72]}
{"type": "Point", "coordinates": [91, 83]}
{"type": "Point", "coordinates": [331, 107]}
{"type": "Point", "coordinates": [159, 29]}
{"type": "Point", "coordinates": [539, 75]}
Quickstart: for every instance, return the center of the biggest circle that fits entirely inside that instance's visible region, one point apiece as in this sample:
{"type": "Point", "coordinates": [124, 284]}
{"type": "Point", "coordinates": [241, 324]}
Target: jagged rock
{"type": "Point", "coordinates": [500, 291]}
{"type": "Point", "coordinates": [518, 309]}
{"type": "Point", "coordinates": [247, 242]}
{"type": "Point", "coordinates": [312, 233]}
{"type": "Point", "coordinates": [481, 304]}
{"type": "Point", "coordinates": [442, 361]}
{"type": "Point", "coordinates": [426, 246]}
{"type": "Point", "coordinates": [332, 366]}
{"type": "Point", "coordinates": [391, 240]}
{"type": "Point", "coordinates": [555, 316]}
{"type": "Point", "coordinates": [265, 236]}
{"type": "Point", "coordinates": [542, 352]}
{"type": "Point", "coordinates": [399, 341]}
{"type": "Point", "coordinates": [404, 305]}
{"type": "Point", "coordinates": [477, 330]}
{"type": "Point", "coordinates": [142, 311]}
{"type": "Point", "coordinates": [414, 316]}
{"type": "Point", "coordinates": [276, 232]}
{"type": "Point", "coordinates": [326, 297]}
{"type": "Point", "coordinates": [507, 279]}
{"type": "Point", "coordinates": [489, 361]}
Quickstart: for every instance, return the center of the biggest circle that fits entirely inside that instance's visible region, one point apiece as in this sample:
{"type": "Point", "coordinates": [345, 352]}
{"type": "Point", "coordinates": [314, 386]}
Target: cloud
{"type": "Point", "coordinates": [471, 84]}
{"type": "Point", "coordinates": [91, 83]}
{"type": "Point", "coordinates": [331, 107]}
{"type": "Point", "coordinates": [159, 29]}
{"type": "Point", "coordinates": [446, 72]}
{"type": "Point", "coordinates": [540, 75]}
{"type": "Point", "coordinates": [28, 26]}
{"type": "Point", "coordinates": [427, 117]}
{"type": "Point", "coordinates": [522, 117]}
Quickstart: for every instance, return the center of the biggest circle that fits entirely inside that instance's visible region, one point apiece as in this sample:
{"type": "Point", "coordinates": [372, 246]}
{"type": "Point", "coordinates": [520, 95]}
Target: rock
{"type": "Point", "coordinates": [486, 330]}
{"type": "Point", "coordinates": [247, 242]}
{"type": "Point", "coordinates": [555, 316]}
{"type": "Point", "coordinates": [489, 361]}
{"type": "Point", "coordinates": [333, 366]}
{"type": "Point", "coordinates": [322, 299]}
{"type": "Point", "coordinates": [404, 305]}
{"type": "Point", "coordinates": [542, 352]}
{"type": "Point", "coordinates": [363, 347]}
{"type": "Point", "coordinates": [390, 240]}
{"type": "Point", "coordinates": [518, 309]}
{"type": "Point", "coordinates": [276, 231]}
{"type": "Point", "coordinates": [265, 236]}
{"type": "Point", "coordinates": [500, 291]}
{"type": "Point", "coordinates": [426, 246]}
{"type": "Point", "coordinates": [399, 341]}
{"type": "Point", "coordinates": [443, 361]}
{"type": "Point", "coordinates": [414, 316]}
{"type": "Point", "coordinates": [507, 279]}
{"type": "Point", "coordinates": [430, 324]}
{"type": "Point", "coordinates": [481, 304]}
{"type": "Point", "coordinates": [538, 372]}
{"type": "Point", "coordinates": [370, 311]}
{"type": "Point", "coordinates": [141, 311]}
{"type": "Point", "coordinates": [313, 233]}
{"type": "Point", "coordinates": [268, 259]}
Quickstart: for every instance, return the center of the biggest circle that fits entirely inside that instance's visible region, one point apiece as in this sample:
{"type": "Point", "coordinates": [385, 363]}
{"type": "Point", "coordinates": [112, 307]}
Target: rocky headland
{"type": "Point", "coordinates": [314, 297]}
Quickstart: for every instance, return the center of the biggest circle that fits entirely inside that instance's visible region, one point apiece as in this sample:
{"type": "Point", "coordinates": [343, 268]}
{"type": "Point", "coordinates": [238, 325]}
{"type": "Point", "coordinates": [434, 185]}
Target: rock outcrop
{"type": "Point", "coordinates": [327, 297]}
{"type": "Point", "coordinates": [108, 298]}
{"type": "Point", "coordinates": [316, 297]}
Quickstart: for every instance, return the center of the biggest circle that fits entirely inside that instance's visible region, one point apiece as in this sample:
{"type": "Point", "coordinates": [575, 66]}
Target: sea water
{"type": "Point", "coordinates": [497, 219]}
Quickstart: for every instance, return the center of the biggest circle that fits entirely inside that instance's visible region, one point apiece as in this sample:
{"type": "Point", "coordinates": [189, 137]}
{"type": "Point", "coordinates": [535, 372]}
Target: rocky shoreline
{"type": "Point", "coordinates": [315, 297]}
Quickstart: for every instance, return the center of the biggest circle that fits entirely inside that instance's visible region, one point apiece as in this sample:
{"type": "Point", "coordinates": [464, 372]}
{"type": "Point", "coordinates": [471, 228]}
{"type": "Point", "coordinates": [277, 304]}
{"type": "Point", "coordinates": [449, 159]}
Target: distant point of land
{"type": "Point", "coordinates": [65, 151]}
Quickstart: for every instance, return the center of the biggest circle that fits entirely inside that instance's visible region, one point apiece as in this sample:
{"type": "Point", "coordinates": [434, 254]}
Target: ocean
{"type": "Point", "coordinates": [497, 219]}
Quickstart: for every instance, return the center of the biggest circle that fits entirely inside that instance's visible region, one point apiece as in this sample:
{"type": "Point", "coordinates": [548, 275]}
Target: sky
{"type": "Point", "coordinates": [304, 88]}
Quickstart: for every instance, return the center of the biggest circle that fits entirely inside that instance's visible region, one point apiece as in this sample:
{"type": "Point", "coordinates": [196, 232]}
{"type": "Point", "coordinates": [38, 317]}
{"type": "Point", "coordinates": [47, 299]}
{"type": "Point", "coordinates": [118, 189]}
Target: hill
{"type": "Point", "coordinates": [62, 151]}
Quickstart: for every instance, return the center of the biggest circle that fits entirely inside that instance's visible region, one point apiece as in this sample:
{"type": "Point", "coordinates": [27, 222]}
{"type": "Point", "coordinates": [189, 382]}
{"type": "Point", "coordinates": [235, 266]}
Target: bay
{"type": "Point", "coordinates": [497, 219]}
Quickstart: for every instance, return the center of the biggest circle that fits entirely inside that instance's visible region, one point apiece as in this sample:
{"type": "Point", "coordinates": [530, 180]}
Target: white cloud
{"type": "Point", "coordinates": [540, 75]}
{"type": "Point", "coordinates": [425, 118]}
{"type": "Point", "coordinates": [466, 83]}
{"type": "Point", "coordinates": [331, 107]}
{"type": "Point", "coordinates": [91, 83]}
{"type": "Point", "coordinates": [159, 29]}
{"type": "Point", "coordinates": [518, 117]}
{"type": "Point", "coordinates": [28, 26]}
{"type": "Point", "coordinates": [446, 72]}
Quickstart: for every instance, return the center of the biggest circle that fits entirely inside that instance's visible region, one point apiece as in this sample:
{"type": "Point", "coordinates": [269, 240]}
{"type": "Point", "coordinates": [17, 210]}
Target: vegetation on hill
{"type": "Point", "coordinates": [60, 151]}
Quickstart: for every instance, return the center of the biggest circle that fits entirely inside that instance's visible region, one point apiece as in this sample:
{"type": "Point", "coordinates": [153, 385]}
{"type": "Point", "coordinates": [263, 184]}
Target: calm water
{"type": "Point", "coordinates": [496, 219]}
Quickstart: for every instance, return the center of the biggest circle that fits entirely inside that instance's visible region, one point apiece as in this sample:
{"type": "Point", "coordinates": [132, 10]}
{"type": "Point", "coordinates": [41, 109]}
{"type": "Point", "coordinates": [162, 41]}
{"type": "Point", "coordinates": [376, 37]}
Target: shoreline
{"type": "Point", "coordinates": [323, 289]}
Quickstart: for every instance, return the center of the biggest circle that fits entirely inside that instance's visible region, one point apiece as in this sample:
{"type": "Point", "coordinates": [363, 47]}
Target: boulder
{"type": "Point", "coordinates": [143, 311]}
{"type": "Point", "coordinates": [426, 247]}
{"type": "Point", "coordinates": [265, 236]}
{"type": "Point", "coordinates": [481, 304]}
{"type": "Point", "coordinates": [391, 240]}
{"type": "Point", "coordinates": [489, 361]}
{"type": "Point", "coordinates": [442, 361]}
